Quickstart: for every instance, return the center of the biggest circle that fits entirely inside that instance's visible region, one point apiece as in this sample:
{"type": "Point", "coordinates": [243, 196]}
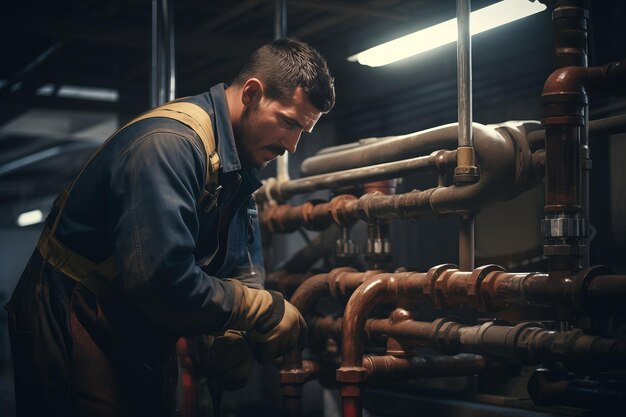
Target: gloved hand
{"type": "Point", "coordinates": [273, 323]}
{"type": "Point", "coordinates": [288, 334]}
{"type": "Point", "coordinates": [230, 360]}
{"type": "Point", "coordinates": [227, 360]}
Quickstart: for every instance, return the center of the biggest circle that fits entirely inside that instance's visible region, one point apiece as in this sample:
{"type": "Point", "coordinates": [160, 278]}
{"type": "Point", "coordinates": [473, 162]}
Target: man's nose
{"type": "Point", "coordinates": [290, 142]}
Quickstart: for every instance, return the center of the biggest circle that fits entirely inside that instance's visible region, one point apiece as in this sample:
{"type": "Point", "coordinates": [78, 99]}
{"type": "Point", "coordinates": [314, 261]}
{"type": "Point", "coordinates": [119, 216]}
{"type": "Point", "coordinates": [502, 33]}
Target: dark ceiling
{"type": "Point", "coordinates": [107, 44]}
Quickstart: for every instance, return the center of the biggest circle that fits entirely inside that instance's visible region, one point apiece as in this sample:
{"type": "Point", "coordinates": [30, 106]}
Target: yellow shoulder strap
{"type": "Point", "coordinates": [83, 270]}
{"type": "Point", "coordinates": [197, 119]}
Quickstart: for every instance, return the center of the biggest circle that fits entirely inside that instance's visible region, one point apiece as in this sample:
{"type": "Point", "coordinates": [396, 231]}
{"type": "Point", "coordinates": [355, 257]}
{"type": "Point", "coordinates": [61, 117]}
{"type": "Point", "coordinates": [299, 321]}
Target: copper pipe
{"type": "Point", "coordinates": [392, 368]}
{"type": "Point", "coordinates": [338, 283]}
{"type": "Point", "coordinates": [351, 375]}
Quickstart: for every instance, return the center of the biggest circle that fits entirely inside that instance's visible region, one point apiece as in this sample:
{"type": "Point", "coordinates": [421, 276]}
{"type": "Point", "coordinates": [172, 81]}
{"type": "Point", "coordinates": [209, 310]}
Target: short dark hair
{"type": "Point", "coordinates": [283, 65]}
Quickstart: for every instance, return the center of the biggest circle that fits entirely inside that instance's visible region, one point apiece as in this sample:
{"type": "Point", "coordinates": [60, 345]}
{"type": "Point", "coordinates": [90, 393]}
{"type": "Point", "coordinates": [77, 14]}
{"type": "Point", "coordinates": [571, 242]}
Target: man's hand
{"type": "Point", "coordinates": [273, 323]}
{"type": "Point", "coordinates": [288, 334]}
{"type": "Point", "coordinates": [227, 359]}
{"type": "Point", "coordinates": [231, 360]}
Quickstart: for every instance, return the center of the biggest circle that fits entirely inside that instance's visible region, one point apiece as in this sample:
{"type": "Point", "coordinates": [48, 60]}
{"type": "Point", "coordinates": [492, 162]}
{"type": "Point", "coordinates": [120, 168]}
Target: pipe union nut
{"type": "Point", "coordinates": [352, 374]}
{"type": "Point", "coordinates": [563, 227]}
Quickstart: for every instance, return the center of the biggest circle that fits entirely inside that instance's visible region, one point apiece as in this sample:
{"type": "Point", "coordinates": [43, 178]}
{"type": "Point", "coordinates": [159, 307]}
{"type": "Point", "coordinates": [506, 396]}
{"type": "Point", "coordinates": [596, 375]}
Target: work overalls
{"type": "Point", "coordinates": [82, 349]}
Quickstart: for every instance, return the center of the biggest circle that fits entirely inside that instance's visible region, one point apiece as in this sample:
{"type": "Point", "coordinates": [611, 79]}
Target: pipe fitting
{"type": "Point", "coordinates": [434, 274]}
{"type": "Point", "coordinates": [474, 287]}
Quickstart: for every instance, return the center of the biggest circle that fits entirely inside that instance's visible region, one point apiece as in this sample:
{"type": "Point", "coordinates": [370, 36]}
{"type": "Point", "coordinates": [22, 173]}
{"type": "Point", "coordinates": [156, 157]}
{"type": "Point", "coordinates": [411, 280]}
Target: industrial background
{"type": "Point", "coordinates": [49, 126]}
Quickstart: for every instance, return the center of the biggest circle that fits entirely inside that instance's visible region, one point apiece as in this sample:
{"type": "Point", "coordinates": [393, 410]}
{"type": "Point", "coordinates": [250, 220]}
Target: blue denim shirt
{"type": "Point", "coordinates": [136, 200]}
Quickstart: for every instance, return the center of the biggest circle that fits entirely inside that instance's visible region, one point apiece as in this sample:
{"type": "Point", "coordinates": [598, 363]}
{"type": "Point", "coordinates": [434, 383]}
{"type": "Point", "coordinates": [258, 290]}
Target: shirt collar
{"type": "Point", "coordinates": [226, 147]}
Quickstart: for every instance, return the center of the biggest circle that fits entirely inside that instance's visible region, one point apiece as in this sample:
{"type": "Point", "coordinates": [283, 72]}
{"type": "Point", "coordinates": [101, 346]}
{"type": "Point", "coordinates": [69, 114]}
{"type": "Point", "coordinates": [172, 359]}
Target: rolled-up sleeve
{"type": "Point", "coordinates": [155, 184]}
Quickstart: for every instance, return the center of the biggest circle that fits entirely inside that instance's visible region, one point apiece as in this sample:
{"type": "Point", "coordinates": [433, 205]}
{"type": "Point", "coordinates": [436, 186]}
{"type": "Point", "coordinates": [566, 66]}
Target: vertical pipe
{"type": "Point", "coordinates": [466, 244]}
{"type": "Point", "coordinates": [567, 148]}
{"type": "Point", "coordinates": [466, 170]}
{"type": "Point", "coordinates": [171, 50]}
{"type": "Point", "coordinates": [162, 73]}
{"type": "Point", "coordinates": [280, 19]}
{"type": "Point", "coordinates": [280, 32]}
{"type": "Point", "coordinates": [570, 46]}
{"type": "Point", "coordinates": [154, 56]}
{"type": "Point", "coordinates": [464, 73]}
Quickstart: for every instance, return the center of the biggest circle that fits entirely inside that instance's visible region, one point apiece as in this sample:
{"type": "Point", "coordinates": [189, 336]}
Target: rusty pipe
{"type": "Point", "coordinates": [351, 375]}
{"type": "Point", "coordinates": [565, 101]}
{"type": "Point", "coordinates": [507, 170]}
{"type": "Point", "coordinates": [491, 288]}
{"type": "Point", "coordinates": [393, 368]}
{"type": "Point", "coordinates": [345, 210]}
{"type": "Point", "coordinates": [337, 283]}
{"type": "Point", "coordinates": [528, 343]}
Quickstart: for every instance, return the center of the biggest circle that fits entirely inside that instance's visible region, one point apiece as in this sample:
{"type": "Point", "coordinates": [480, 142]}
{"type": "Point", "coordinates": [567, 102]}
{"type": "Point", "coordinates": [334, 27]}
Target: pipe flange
{"type": "Point", "coordinates": [439, 333]}
{"type": "Point", "coordinates": [441, 289]}
{"type": "Point", "coordinates": [338, 211]}
{"type": "Point", "coordinates": [433, 274]}
{"type": "Point", "coordinates": [582, 282]}
{"type": "Point", "coordinates": [473, 286]}
{"type": "Point", "coordinates": [519, 338]}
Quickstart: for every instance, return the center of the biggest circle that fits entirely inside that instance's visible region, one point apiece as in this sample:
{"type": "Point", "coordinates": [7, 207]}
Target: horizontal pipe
{"type": "Point", "coordinates": [284, 190]}
{"type": "Point", "coordinates": [388, 149]}
{"type": "Point", "coordinates": [394, 148]}
{"type": "Point", "coordinates": [507, 169]}
{"type": "Point", "coordinates": [392, 368]}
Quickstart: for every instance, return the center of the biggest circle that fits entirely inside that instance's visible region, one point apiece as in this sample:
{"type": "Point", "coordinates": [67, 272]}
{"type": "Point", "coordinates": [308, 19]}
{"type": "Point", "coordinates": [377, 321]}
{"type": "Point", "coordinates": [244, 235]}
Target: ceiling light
{"type": "Point", "coordinates": [88, 93]}
{"type": "Point", "coordinates": [446, 32]}
{"type": "Point", "coordinates": [29, 218]}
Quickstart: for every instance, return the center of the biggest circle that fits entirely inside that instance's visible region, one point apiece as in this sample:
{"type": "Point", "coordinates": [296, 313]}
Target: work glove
{"type": "Point", "coordinates": [275, 325]}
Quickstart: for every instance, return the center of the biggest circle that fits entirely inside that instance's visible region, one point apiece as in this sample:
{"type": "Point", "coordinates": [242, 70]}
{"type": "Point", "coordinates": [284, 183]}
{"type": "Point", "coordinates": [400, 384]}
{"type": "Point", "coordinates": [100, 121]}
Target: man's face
{"type": "Point", "coordinates": [268, 128]}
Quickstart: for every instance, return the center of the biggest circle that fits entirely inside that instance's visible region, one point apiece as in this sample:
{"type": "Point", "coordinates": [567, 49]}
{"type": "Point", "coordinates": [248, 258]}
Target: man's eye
{"type": "Point", "coordinates": [289, 123]}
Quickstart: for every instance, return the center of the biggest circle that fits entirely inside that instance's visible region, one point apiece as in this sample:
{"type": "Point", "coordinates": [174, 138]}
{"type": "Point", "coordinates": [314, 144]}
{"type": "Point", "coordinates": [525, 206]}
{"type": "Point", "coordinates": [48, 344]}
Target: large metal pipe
{"type": "Point", "coordinates": [280, 32]}
{"type": "Point", "coordinates": [565, 98]}
{"type": "Point", "coordinates": [393, 368]}
{"type": "Point", "coordinates": [464, 72]}
{"type": "Point", "coordinates": [285, 190]}
{"type": "Point", "coordinates": [389, 149]}
{"type": "Point", "coordinates": [510, 168]}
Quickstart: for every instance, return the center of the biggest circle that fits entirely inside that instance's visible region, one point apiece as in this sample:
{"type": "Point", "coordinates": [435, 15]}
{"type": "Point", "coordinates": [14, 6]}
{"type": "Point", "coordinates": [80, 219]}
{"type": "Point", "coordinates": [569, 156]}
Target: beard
{"type": "Point", "coordinates": [244, 136]}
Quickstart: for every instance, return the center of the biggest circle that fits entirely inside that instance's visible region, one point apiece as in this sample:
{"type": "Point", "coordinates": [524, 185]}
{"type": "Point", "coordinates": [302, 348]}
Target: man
{"type": "Point", "coordinates": [158, 239]}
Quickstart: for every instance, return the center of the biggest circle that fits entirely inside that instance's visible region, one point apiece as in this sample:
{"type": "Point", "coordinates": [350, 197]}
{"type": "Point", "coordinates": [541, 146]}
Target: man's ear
{"type": "Point", "coordinates": [252, 92]}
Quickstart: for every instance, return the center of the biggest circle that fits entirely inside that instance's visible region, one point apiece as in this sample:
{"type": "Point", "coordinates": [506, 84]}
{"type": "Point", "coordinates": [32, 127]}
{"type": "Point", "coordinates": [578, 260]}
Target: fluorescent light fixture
{"type": "Point", "coordinates": [29, 218]}
{"type": "Point", "coordinates": [446, 32]}
{"type": "Point", "coordinates": [88, 93]}
{"type": "Point", "coordinates": [45, 90]}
